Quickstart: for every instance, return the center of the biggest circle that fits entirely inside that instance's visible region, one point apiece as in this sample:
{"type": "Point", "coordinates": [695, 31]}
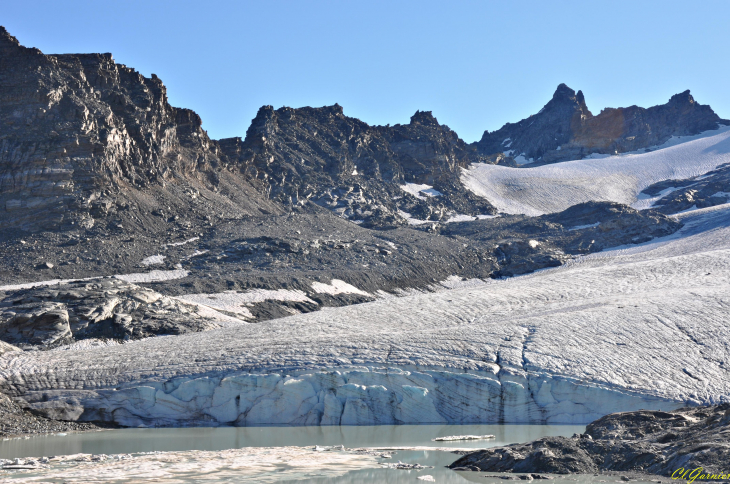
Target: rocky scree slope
{"type": "Point", "coordinates": [643, 441]}
{"type": "Point", "coordinates": [14, 420]}
{"type": "Point", "coordinates": [566, 130]}
{"type": "Point", "coordinates": [270, 270]}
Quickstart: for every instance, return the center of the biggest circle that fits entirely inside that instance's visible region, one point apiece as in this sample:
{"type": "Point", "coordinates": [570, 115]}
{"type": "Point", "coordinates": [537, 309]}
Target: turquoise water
{"type": "Point", "coordinates": [135, 441]}
{"type": "Point", "coordinates": [203, 438]}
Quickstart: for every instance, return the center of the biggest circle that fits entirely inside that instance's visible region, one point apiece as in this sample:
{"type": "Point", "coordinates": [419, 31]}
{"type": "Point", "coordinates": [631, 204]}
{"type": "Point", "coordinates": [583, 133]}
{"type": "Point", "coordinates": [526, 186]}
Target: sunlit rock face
{"type": "Point", "coordinates": [83, 138]}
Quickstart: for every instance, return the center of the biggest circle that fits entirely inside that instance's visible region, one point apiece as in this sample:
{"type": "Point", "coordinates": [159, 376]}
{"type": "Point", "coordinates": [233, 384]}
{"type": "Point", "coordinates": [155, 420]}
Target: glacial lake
{"type": "Point", "coordinates": [411, 439]}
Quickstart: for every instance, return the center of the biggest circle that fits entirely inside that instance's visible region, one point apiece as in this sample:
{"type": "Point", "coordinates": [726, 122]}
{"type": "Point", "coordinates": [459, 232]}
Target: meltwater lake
{"type": "Point", "coordinates": [267, 454]}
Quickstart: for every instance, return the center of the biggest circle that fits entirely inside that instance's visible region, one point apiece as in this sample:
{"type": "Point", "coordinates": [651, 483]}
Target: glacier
{"type": "Point", "coordinates": [556, 187]}
{"type": "Point", "coordinates": [636, 327]}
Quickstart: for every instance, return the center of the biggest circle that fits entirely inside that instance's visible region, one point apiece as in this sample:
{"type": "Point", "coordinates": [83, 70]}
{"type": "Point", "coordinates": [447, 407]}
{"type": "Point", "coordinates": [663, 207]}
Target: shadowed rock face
{"type": "Point", "coordinates": [643, 441]}
{"type": "Point", "coordinates": [83, 139]}
{"type": "Point", "coordinates": [566, 130]}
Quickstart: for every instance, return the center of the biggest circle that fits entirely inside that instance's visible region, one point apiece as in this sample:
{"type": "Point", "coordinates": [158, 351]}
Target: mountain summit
{"type": "Point", "coordinates": [566, 130]}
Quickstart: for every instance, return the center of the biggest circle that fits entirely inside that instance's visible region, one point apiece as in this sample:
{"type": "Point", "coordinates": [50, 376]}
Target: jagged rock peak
{"type": "Point", "coordinates": [9, 45]}
{"type": "Point", "coordinates": [565, 129]}
{"type": "Point", "coordinates": [425, 118]}
{"type": "Point", "coordinates": [563, 92]}
{"type": "Point", "coordinates": [565, 95]}
{"type": "Point", "coordinates": [6, 38]}
{"type": "Point", "coordinates": [682, 98]}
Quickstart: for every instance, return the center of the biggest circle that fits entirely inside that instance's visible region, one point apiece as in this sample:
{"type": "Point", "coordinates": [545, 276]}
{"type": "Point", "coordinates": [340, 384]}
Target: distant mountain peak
{"type": "Point", "coordinates": [424, 118]}
{"type": "Point", "coordinates": [682, 98]}
{"type": "Point", "coordinates": [563, 92]}
{"type": "Point", "coordinates": [564, 129]}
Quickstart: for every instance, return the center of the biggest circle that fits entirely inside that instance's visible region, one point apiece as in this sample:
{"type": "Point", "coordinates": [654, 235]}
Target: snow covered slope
{"type": "Point", "coordinates": [637, 327]}
{"type": "Point", "coordinates": [555, 187]}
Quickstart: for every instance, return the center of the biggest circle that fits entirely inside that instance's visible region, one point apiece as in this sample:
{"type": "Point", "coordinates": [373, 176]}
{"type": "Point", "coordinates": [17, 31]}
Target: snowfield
{"type": "Point", "coordinates": [555, 187]}
{"type": "Point", "coordinates": [637, 327]}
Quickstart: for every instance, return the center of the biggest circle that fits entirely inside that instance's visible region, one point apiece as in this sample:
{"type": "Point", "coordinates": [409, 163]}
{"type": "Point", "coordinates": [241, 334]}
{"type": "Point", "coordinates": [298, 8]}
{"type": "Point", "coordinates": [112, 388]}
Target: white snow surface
{"type": "Point", "coordinates": [135, 277]}
{"type": "Point", "coordinates": [153, 276]}
{"type": "Point", "coordinates": [49, 282]}
{"type": "Point", "coordinates": [238, 302]}
{"type": "Point", "coordinates": [337, 286]}
{"type": "Point", "coordinates": [177, 244]}
{"type": "Point", "coordinates": [153, 260]}
{"type": "Point", "coordinates": [555, 187]}
{"type": "Point", "coordinates": [411, 220]}
{"type": "Point", "coordinates": [640, 326]}
{"type": "Point", "coordinates": [420, 190]}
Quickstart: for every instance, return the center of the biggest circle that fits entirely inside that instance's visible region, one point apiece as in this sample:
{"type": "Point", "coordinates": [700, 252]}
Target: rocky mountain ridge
{"type": "Point", "coordinates": [100, 176]}
{"type": "Point", "coordinates": [85, 140]}
{"type": "Point", "coordinates": [356, 170]}
{"type": "Point", "coordinates": [565, 129]}
{"type": "Point", "coordinates": [89, 143]}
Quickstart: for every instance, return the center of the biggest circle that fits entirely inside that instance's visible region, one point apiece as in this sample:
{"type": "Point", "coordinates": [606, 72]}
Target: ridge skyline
{"type": "Point", "coordinates": [500, 73]}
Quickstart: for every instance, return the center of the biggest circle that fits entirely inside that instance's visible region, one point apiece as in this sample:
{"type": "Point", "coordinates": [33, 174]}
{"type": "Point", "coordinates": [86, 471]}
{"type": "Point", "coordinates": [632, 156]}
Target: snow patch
{"type": "Point", "coordinates": [411, 220]}
{"type": "Point", "coordinates": [177, 244]}
{"type": "Point", "coordinates": [153, 276]}
{"type": "Point", "coordinates": [153, 259]}
{"type": "Point", "coordinates": [50, 282]}
{"type": "Point", "coordinates": [581, 227]}
{"type": "Point", "coordinates": [644, 201]}
{"type": "Point", "coordinates": [721, 194]}
{"type": "Point", "coordinates": [461, 218]}
{"type": "Point", "coordinates": [521, 160]}
{"type": "Point", "coordinates": [420, 191]}
{"type": "Point", "coordinates": [239, 302]}
{"type": "Point", "coordinates": [336, 287]}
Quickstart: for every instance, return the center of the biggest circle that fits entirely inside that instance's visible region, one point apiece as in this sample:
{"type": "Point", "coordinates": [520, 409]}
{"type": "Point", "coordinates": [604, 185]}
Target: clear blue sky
{"type": "Point", "coordinates": [475, 64]}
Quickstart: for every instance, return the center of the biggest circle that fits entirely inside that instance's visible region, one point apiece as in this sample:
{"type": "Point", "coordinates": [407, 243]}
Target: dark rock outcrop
{"type": "Point", "coordinates": [355, 170]}
{"type": "Point", "coordinates": [643, 441]}
{"type": "Point", "coordinates": [566, 130]}
{"type": "Point", "coordinates": [711, 189]}
{"type": "Point", "coordinates": [86, 141]}
{"type": "Point", "coordinates": [526, 244]}
{"type": "Point", "coordinates": [106, 308]}
{"type": "Point", "coordinates": [15, 420]}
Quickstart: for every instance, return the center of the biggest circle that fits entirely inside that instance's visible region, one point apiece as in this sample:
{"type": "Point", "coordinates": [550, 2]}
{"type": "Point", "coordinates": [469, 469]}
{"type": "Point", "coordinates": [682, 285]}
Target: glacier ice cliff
{"type": "Point", "coordinates": [358, 396]}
